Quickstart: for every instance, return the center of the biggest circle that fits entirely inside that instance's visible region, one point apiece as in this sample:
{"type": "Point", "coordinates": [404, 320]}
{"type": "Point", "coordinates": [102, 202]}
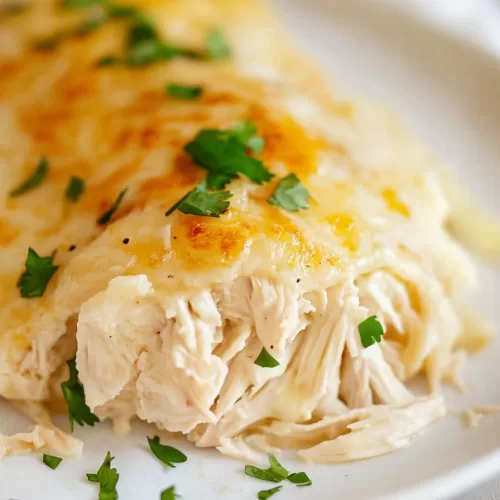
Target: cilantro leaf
{"type": "Point", "coordinates": [370, 331]}
{"type": "Point", "coordinates": [217, 46]}
{"type": "Point", "coordinates": [166, 454]}
{"type": "Point", "coordinates": [265, 494]}
{"type": "Point", "coordinates": [119, 11]}
{"type": "Point", "coordinates": [39, 270]}
{"type": "Point", "coordinates": [217, 180]}
{"type": "Point", "coordinates": [276, 473]}
{"type": "Point", "coordinates": [150, 51]}
{"type": "Point", "coordinates": [143, 29]}
{"type": "Point", "coordinates": [200, 202]}
{"type": "Point", "coordinates": [290, 194]}
{"type": "Point", "coordinates": [89, 25]}
{"type": "Point", "coordinates": [34, 180]}
{"type": "Point", "coordinates": [265, 360]}
{"type": "Point", "coordinates": [78, 4]}
{"type": "Point", "coordinates": [246, 132]}
{"type": "Point", "coordinates": [108, 60]}
{"type": "Point", "coordinates": [186, 92]}
{"type": "Point", "coordinates": [300, 479]}
{"type": "Point", "coordinates": [75, 189]}
{"type": "Point", "coordinates": [74, 394]}
{"type": "Point", "coordinates": [169, 494]}
{"type": "Point", "coordinates": [107, 479]}
{"type": "Point", "coordinates": [50, 42]}
{"type": "Point", "coordinates": [52, 462]}
{"type": "Point", "coordinates": [106, 216]}
{"type": "Point", "coordinates": [222, 152]}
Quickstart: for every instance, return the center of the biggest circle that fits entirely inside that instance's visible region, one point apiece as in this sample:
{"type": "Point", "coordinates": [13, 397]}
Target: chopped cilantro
{"type": "Point", "coordinates": [246, 132]}
{"type": "Point", "coordinates": [34, 180]}
{"type": "Point", "coordinates": [106, 216]}
{"type": "Point", "coordinates": [108, 60]}
{"type": "Point", "coordinates": [39, 271]}
{"type": "Point", "coordinates": [166, 454]}
{"type": "Point", "coordinates": [143, 29]}
{"type": "Point", "coordinates": [50, 42]}
{"type": "Point", "coordinates": [265, 360]}
{"type": "Point", "coordinates": [107, 479]}
{"type": "Point", "coordinates": [78, 4]}
{"type": "Point", "coordinates": [200, 202]}
{"type": "Point", "coordinates": [117, 10]}
{"type": "Point", "coordinates": [265, 494]}
{"type": "Point", "coordinates": [89, 25]}
{"type": "Point", "coordinates": [290, 194]}
{"type": "Point", "coordinates": [222, 152]}
{"type": "Point", "coordinates": [276, 473]}
{"type": "Point", "coordinates": [150, 51]}
{"type": "Point", "coordinates": [75, 189]}
{"type": "Point", "coordinates": [186, 92]}
{"type": "Point", "coordinates": [169, 494]}
{"type": "Point", "coordinates": [370, 331]}
{"type": "Point", "coordinates": [300, 479]}
{"type": "Point", "coordinates": [217, 45]}
{"type": "Point", "coordinates": [74, 394]}
{"type": "Point", "coordinates": [52, 462]}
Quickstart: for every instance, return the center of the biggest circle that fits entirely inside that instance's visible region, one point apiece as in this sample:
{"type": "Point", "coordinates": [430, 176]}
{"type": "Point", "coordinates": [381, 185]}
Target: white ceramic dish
{"type": "Point", "coordinates": [447, 93]}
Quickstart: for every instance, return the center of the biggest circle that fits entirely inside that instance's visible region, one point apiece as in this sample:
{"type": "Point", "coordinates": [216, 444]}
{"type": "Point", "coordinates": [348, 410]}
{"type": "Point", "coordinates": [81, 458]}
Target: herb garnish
{"type": "Point", "coordinates": [106, 216]}
{"type": "Point", "coordinates": [74, 394]}
{"type": "Point", "coordinates": [34, 180]}
{"type": "Point", "coordinates": [120, 11]}
{"type": "Point", "coordinates": [169, 494]}
{"type": "Point", "coordinates": [217, 46]}
{"type": "Point", "coordinates": [265, 494]}
{"type": "Point", "coordinates": [246, 132]}
{"type": "Point", "coordinates": [79, 4]}
{"type": "Point", "coordinates": [107, 479]}
{"type": "Point", "coordinates": [200, 202]}
{"type": "Point", "coordinates": [166, 454]}
{"type": "Point", "coordinates": [370, 331]}
{"type": "Point", "coordinates": [223, 153]}
{"type": "Point", "coordinates": [39, 270]}
{"type": "Point", "coordinates": [265, 360]}
{"type": "Point", "coordinates": [300, 479]}
{"type": "Point", "coordinates": [276, 474]}
{"type": "Point", "coordinates": [89, 25]}
{"type": "Point", "coordinates": [52, 462]}
{"type": "Point", "coordinates": [186, 92]}
{"type": "Point", "coordinates": [108, 60]}
{"type": "Point", "coordinates": [75, 189]}
{"type": "Point", "coordinates": [290, 194]}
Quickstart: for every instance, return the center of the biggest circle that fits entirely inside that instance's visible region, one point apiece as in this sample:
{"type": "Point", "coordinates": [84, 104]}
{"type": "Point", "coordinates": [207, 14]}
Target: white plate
{"type": "Point", "coordinates": [447, 92]}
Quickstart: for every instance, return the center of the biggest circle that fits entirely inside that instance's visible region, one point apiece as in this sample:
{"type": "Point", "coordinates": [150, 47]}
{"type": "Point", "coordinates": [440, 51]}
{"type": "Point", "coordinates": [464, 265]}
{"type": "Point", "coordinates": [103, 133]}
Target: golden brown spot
{"type": "Point", "coordinates": [220, 98]}
{"type": "Point", "coordinates": [206, 242]}
{"type": "Point", "coordinates": [345, 228]}
{"type": "Point", "coordinates": [149, 137]}
{"type": "Point", "coordinates": [394, 203]}
{"type": "Point", "coordinates": [79, 91]}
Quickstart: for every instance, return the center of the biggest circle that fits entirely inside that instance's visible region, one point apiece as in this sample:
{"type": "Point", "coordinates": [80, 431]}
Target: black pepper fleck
{"type": "Point", "coordinates": [175, 237]}
{"type": "Point", "coordinates": [72, 247]}
{"type": "Point", "coordinates": [125, 241]}
{"type": "Point", "coordinates": [298, 280]}
{"type": "Point", "coordinates": [272, 347]}
{"type": "Point", "coordinates": [170, 276]}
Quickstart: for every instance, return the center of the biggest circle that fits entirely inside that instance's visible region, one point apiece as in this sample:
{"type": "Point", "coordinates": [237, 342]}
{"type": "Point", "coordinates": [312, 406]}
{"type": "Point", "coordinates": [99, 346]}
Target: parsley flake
{"type": "Point", "coordinates": [79, 4]}
{"type": "Point", "coordinates": [200, 202]}
{"type": "Point", "coordinates": [265, 494]}
{"type": "Point", "coordinates": [120, 11]}
{"type": "Point", "coordinates": [370, 331]}
{"type": "Point", "coordinates": [74, 394]}
{"type": "Point", "coordinates": [52, 462]}
{"type": "Point", "coordinates": [217, 46]}
{"type": "Point", "coordinates": [290, 194]}
{"type": "Point", "coordinates": [246, 132]}
{"type": "Point", "coordinates": [186, 92]}
{"type": "Point", "coordinates": [34, 180]}
{"type": "Point", "coordinates": [39, 270]}
{"type": "Point", "coordinates": [75, 189]}
{"type": "Point", "coordinates": [166, 454]}
{"type": "Point", "coordinates": [265, 360]}
{"type": "Point", "coordinates": [108, 60]}
{"type": "Point", "coordinates": [89, 25]}
{"type": "Point", "coordinates": [222, 152]}
{"type": "Point", "coordinates": [300, 479]}
{"type": "Point", "coordinates": [169, 494]}
{"type": "Point", "coordinates": [107, 479]}
{"type": "Point", "coordinates": [106, 216]}
{"type": "Point", "coordinates": [276, 473]}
